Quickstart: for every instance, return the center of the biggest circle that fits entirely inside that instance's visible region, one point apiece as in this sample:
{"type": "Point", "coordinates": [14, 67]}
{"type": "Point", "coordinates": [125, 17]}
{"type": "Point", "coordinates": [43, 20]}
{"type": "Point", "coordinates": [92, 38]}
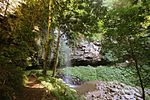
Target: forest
{"type": "Point", "coordinates": [74, 49]}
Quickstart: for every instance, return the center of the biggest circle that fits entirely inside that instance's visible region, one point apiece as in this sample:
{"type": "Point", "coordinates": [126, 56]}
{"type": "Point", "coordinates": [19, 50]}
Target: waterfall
{"type": "Point", "coordinates": [65, 52]}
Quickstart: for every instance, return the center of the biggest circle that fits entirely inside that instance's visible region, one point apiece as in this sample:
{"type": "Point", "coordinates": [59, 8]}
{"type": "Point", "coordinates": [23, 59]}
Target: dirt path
{"type": "Point", "coordinates": [33, 91]}
{"type": "Point", "coordinates": [30, 94]}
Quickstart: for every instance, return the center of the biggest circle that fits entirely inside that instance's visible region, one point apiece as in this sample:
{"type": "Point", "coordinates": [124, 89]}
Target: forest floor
{"type": "Point", "coordinates": [92, 90]}
{"type": "Point", "coordinates": [33, 90]}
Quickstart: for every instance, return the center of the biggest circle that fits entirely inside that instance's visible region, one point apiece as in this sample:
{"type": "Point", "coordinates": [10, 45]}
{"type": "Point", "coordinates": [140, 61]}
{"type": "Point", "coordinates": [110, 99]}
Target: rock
{"type": "Point", "coordinates": [129, 97]}
{"type": "Point", "coordinates": [69, 79]}
{"type": "Point", "coordinates": [138, 98]}
{"type": "Point", "coordinates": [147, 91]}
{"type": "Point", "coordinates": [114, 91]}
{"type": "Point", "coordinates": [87, 53]}
{"type": "Point", "coordinates": [135, 89]}
{"type": "Point", "coordinates": [122, 98]}
{"type": "Point", "coordinates": [127, 92]}
{"type": "Point", "coordinates": [137, 94]}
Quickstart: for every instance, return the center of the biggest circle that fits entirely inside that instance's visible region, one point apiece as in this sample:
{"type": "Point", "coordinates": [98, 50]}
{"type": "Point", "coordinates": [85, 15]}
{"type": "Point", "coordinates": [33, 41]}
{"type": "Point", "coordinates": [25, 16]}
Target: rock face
{"type": "Point", "coordinates": [12, 5]}
{"type": "Point", "coordinates": [87, 53]}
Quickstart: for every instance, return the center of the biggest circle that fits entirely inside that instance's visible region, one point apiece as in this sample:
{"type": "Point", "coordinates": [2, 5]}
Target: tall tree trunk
{"type": "Point", "coordinates": [137, 69]}
{"type": "Point", "coordinates": [140, 78]}
{"type": "Point", "coordinates": [56, 53]}
{"type": "Point", "coordinates": [48, 38]}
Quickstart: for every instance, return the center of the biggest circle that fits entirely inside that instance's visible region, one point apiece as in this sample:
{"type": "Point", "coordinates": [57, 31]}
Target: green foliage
{"type": "Point", "coordinates": [127, 37]}
{"type": "Point", "coordinates": [110, 56]}
{"type": "Point", "coordinates": [123, 75]}
{"type": "Point", "coordinates": [105, 73]}
{"type": "Point", "coordinates": [58, 88]}
{"type": "Point", "coordinates": [81, 17]}
{"type": "Point", "coordinates": [144, 69]}
{"type": "Point", "coordinates": [55, 86]}
{"type": "Point", "coordinates": [147, 97]}
{"type": "Point", "coordinates": [125, 30]}
{"type": "Point", "coordinates": [83, 72]}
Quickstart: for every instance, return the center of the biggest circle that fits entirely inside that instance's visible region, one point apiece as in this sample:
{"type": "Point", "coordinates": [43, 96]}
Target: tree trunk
{"type": "Point", "coordinates": [137, 69]}
{"type": "Point", "coordinates": [56, 53]}
{"type": "Point", "coordinates": [48, 38]}
{"type": "Point", "coordinates": [140, 79]}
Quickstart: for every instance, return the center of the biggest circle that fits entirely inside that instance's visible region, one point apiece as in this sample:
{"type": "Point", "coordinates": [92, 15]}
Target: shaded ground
{"type": "Point", "coordinates": [30, 94]}
{"type": "Point", "coordinates": [34, 91]}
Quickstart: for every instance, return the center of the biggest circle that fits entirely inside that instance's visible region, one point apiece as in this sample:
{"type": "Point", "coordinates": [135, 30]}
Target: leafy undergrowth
{"type": "Point", "coordinates": [54, 86]}
{"type": "Point", "coordinates": [58, 88]}
{"type": "Point", "coordinates": [103, 73]}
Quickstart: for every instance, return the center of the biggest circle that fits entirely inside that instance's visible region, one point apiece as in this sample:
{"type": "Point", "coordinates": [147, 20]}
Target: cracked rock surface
{"type": "Point", "coordinates": [114, 91]}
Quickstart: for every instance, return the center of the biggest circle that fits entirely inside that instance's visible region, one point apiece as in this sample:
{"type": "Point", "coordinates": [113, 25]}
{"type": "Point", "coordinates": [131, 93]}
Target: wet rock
{"type": "Point", "coordinates": [69, 79]}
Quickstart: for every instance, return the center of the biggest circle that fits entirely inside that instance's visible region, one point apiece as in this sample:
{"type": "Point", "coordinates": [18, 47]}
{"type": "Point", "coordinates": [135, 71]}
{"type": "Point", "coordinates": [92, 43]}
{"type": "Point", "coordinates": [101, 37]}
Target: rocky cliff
{"type": "Point", "coordinates": [87, 53]}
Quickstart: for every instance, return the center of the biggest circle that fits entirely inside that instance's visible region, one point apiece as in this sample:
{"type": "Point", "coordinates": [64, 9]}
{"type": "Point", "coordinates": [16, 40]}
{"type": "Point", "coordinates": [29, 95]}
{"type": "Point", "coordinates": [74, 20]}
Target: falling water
{"type": "Point", "coordinates": [66, 52]}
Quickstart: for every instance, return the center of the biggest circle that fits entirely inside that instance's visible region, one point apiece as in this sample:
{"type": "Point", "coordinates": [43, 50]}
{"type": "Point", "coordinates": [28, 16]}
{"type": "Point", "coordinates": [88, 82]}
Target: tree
{"type": "Point", "coordinates": [56, 53]}
{"type": "Point", "coordinates": [81, 18]}
{"type": "Point", "coordinates": [127, 38]}
{"type": "Point", "coordinates": [47, 44]}
{"type": "Point", "coordinates": [73, 18]}
{"type": "Point", "coordinates": [61, 6]}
